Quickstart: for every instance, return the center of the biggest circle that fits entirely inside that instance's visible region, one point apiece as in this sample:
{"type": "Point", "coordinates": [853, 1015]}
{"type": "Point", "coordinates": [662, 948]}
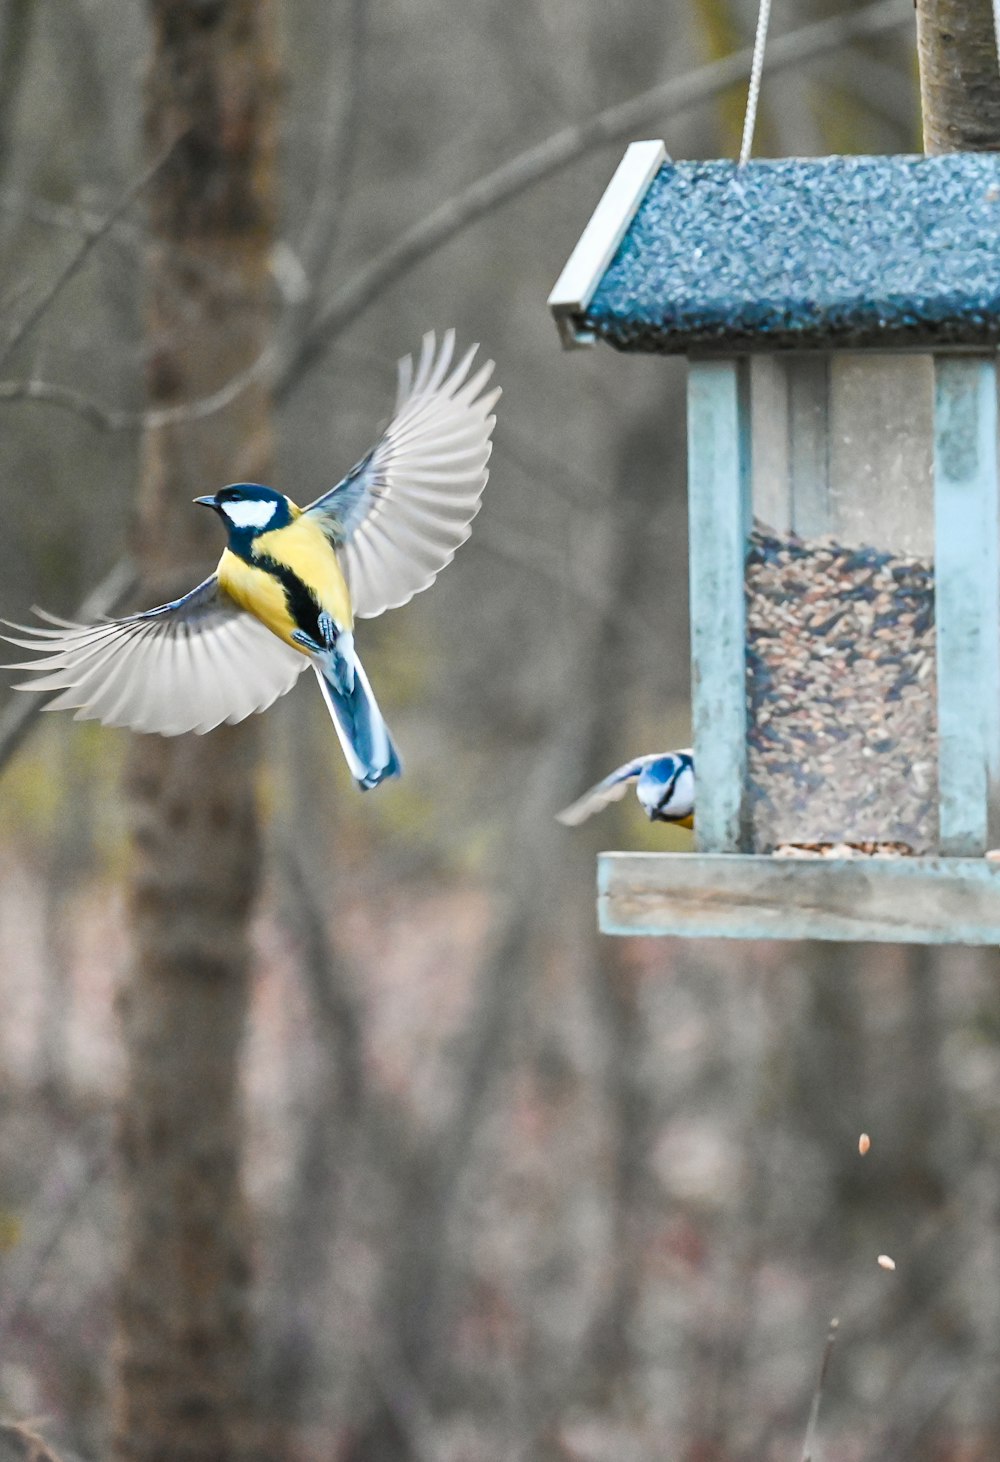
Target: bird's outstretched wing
{"type": "Point", "coordinates": [184, 666]}
{"type": "Point", "coordinates": [612, 789]}
{"type": "Point", "coordinates": [399, 515]}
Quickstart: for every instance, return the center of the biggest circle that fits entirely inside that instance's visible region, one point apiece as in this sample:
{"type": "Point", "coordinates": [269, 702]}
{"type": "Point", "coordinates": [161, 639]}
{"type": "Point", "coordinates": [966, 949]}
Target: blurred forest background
{"type": "Point", "coordinates": [511, 1191]}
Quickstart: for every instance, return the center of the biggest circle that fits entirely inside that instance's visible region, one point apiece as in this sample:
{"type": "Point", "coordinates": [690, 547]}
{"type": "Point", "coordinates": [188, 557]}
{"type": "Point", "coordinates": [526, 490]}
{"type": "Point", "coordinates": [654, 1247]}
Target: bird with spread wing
{"type": "Point", "coordinates": [663, 782]}
{"type": "Point", "coordinates": [291, 582]}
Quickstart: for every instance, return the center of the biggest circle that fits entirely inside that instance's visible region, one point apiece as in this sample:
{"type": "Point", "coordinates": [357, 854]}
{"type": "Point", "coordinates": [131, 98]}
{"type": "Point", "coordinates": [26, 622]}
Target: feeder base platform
{"type": "Point", "coordinates": [750, 896]}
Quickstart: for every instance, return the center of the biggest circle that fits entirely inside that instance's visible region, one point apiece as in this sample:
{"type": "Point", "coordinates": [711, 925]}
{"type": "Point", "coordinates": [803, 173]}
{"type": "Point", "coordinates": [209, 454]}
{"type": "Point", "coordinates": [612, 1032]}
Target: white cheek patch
{"type": "Point", "coordinates": [249, 514]}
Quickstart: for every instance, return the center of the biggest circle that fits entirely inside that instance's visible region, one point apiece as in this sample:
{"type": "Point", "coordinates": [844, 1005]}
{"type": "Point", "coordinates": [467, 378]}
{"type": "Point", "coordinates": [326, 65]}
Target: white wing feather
{"type": "Point", "coordinates": [611, 789]}
{"type": "Point", "coordinates": [399, 517]}
{"type": "Point", "coordinates": [185, 666]}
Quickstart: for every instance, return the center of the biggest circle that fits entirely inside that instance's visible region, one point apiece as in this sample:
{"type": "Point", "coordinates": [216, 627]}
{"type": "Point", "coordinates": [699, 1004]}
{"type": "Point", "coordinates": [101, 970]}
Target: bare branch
{"type": "Point", "coordinates": [404, 1400]}
{"type": "Point", "coordinates": [67, 399]}
{"type": "Point", "coordinates": [304, 265]}
{"type": "Point", "coordinates": [19, 1443]}
{"type": "Point", "coordinates": [338, 151]}
{"type": "Point", "coordinates": [452, 217]}
{"type": "Point", "coordinates": [76, 262]}
{"type": "Point", "coordinates": [106, 418]}
{"type": "Point", "coordinates": [288, 274]}
{"type": "Point", "coordinates": [529, 553]}
{"type": "Point", "coordinates": [20, 715]}
{"type": "Point", "coordinates": [66, 217]}
{"type": "Point", "coordinates": [881, 89]}
{"type": "Point", "coordinates": [64, 1189]}
{"type": "Point", "coordinates": [512, 178]}
{"type": "Point", "coordinates": [328, 987]}
{"type": "Point", "coordinates": [809, 1446]}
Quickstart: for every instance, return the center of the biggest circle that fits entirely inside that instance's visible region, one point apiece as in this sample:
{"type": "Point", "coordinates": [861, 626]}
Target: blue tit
{"type": "Point", "coordinates": [664, 785]}
{"type": "Point", "coordinates": [291, 582]}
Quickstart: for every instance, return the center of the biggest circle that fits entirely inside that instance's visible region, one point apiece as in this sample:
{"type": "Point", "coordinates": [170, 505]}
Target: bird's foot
{"type": "Point", "coordinates": [306, 642]}
{"type": "Point", "coordinates": [327, 635]}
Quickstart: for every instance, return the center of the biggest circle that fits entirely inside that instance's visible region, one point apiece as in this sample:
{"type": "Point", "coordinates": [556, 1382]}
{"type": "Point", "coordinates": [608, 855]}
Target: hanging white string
{"type": "Point", "coordinates": [757, 67]}
{"type": "Point", "coordinates": [996, 28]}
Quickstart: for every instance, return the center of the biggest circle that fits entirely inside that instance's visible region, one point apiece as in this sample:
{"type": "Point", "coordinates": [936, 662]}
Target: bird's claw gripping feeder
{"type": "Point", "coordinates": [841, 318]}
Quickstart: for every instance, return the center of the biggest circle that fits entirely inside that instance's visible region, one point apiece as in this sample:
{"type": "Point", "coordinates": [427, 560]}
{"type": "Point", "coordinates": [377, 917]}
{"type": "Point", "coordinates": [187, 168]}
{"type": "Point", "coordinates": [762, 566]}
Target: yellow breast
{"type": "Point", "coordinates": [302, 548]}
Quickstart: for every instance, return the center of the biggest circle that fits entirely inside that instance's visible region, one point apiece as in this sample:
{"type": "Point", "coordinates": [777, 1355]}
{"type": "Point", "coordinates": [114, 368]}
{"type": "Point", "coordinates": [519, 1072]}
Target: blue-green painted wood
{"type": "Point", "coordinates": [894, 900]}
{"type": "Point", "coordinates": [719, 516]}
{"type": "Point", "coordinates": [967, 598]}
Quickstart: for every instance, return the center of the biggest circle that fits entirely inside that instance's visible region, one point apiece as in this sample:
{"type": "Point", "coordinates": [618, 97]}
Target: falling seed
{"type": "Point", "coordinates": [884, 1262]}
{"type": "Point", "coordinates": [864, 1142]}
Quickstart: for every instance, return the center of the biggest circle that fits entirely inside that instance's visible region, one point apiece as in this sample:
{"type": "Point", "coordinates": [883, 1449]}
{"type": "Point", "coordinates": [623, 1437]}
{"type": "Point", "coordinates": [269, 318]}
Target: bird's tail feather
{"type": "Point", "coordinates": [363, 734]}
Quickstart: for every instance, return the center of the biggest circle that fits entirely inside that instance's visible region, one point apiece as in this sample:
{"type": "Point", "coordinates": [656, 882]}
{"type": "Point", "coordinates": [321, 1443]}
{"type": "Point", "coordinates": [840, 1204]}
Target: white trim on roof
{"type": "Point", "coordinates": [597, 244]}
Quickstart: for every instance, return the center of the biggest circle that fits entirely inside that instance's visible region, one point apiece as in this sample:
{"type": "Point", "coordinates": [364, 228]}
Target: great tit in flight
{"type": "Point", "coordinates": [663, 782]}
{"type": "Point", "coordinates": [292, 580]}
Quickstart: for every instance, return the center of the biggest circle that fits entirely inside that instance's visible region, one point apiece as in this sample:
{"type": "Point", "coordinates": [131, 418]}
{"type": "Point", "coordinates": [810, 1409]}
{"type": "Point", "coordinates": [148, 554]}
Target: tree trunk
{"type": "Point", "coordinates": [959, 78]}
{"type": "Point", "coordinates": [183, 1331]}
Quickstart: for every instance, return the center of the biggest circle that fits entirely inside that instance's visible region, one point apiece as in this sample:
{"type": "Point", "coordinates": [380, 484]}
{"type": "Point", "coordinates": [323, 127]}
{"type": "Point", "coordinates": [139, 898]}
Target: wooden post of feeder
{"type": "Point", "coordinates": [967, 595]}
{"type": "Point", "coordinates": [960, 102]}
{"type": "Point", "coordinates": [719, 487]}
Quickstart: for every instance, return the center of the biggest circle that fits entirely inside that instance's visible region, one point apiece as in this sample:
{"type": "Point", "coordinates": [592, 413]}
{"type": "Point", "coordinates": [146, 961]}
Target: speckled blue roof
{"type": "Point", "coordinates": [876, 251]}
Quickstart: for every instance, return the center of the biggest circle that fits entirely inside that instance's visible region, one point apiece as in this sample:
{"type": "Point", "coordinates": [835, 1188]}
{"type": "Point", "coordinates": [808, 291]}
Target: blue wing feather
{"type": "Point", "coordinates": [664, 784]}
{"type": "Point", "coordinates": [345, 507]}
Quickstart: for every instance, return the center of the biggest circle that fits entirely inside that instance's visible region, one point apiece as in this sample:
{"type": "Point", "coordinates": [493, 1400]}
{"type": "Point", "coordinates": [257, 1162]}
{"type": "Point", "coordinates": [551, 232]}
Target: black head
{"type": "Point", "coordinates": [247, 509]}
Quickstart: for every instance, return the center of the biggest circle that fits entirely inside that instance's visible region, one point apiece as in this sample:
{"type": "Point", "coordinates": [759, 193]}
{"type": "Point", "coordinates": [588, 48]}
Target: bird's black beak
{"type": "Point", "coordinates": [206, 502]}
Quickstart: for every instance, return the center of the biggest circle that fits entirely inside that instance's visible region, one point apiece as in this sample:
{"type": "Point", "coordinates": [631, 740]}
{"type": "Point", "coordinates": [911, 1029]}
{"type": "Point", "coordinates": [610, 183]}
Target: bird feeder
{"type": "Point", "coordinates": [840, 317]}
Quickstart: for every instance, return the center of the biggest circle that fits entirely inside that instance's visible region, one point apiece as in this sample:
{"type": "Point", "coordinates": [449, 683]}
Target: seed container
{"type": "Point", "coordinates": [840, 635]}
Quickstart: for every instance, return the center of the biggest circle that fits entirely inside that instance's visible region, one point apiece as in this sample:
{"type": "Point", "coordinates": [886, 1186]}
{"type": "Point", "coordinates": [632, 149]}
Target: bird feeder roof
{"type": "Point", "coordinates": [881, 252]}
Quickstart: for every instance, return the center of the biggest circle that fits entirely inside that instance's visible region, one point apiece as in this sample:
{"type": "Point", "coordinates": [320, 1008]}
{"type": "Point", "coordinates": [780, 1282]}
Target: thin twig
{"type": "Point", "coordinates": [62, 1195]}
{"type": "Point", "coordinates": [880, 88]}
{"type": "Point", "coordinates": [106, 418]}
{"type": "Point", "coordinates": [328, 987]}
{"type": "Point", "coordinates": [404, 1401]}
{"type": "Point", "coordinates": [339, 147]}
{"type": "Point", "coordinates": [76, 219]}
{"type": "Point", "coordinates": [20, 1440]}
{"type": "Point", "coordinates": [809, 1444]}
{"type": "Point", "coordinates": [76, 262]}
{"type": "Point", "coordinates": [338, 153]}
{"type": "Point", "coordinates": [527, 551]}
{"type": "Point", "coordinates": [66, 217]}
{"type": "Point", "coordinates": [19, 716]}
{"type": "Point", "coordinates": [512, 178]}
{"type": "Point", "coordinates": [49, 393]}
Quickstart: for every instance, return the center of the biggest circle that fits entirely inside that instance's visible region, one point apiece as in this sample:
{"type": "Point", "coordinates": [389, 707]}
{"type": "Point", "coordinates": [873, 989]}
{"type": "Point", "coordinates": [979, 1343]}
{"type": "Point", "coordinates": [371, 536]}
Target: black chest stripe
{"type": "Point", "coordinates": [669, 790]}
{"type": "Point", "coordinates": [302, 607]}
